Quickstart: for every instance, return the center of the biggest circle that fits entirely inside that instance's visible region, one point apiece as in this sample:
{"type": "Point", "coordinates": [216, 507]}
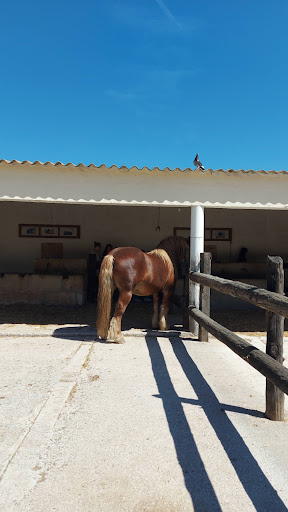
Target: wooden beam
{"type": "Point", "coordinates": [270, 368]}
{"type": "Point", "coordinates": [259, 297]}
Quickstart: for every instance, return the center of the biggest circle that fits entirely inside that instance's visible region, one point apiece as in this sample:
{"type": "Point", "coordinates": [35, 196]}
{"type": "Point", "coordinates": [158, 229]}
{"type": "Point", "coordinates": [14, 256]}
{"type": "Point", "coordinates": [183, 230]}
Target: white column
{"type": "Point", "coordinates": [196, 247]}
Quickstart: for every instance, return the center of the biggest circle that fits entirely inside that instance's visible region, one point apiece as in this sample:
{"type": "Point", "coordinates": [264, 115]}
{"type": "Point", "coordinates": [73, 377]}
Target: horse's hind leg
{"type": "Point", "coordinates": [155, 311]}
{"type": "Point", "coordinates": [167, 294]}
{"type": "Point", "coordinates": [115, 323]}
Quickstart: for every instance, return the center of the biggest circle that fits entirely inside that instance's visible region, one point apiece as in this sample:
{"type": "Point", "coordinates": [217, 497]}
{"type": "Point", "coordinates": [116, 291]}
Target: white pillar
{"type": "Point", "coordinates": [196, 247]}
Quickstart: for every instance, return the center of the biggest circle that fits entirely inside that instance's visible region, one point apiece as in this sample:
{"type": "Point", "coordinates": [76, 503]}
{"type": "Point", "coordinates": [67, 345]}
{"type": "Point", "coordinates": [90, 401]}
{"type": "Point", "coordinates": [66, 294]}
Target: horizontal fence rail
{"type": "Point", "coordinates": [276, 305]}
{"type": "Point", "coordinates": [265, 364]}
{"type": "Point", "coordinates": [264, 299]}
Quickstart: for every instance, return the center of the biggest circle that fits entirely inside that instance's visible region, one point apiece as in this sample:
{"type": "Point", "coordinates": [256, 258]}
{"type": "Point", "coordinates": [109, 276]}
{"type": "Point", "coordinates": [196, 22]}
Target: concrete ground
{"type": "Point", "coordinates": [163, 423]}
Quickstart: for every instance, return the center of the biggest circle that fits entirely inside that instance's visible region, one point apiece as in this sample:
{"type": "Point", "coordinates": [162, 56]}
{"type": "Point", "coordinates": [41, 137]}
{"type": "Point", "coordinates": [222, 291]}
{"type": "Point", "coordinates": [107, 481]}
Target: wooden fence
{"type": "Point", "coordinates": [276, 305]}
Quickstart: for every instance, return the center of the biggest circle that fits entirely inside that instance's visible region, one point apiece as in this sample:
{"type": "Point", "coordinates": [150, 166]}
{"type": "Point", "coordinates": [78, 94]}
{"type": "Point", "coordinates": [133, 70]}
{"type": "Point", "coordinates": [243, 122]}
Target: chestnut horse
{"type": "Point", "coordinates": [133, 271]}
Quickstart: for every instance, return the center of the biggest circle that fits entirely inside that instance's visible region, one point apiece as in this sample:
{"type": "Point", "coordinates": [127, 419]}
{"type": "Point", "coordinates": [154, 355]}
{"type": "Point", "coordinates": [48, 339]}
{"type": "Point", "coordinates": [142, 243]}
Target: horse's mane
{"type": "Point", "coordinates": [175, 247]}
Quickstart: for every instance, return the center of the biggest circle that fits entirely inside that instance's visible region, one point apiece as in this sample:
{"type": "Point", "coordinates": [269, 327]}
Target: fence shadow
{"type": "Point", "coordinates": [257, 486]}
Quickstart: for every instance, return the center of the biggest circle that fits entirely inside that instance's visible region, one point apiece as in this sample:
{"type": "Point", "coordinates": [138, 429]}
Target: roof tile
{"type": "Point", "coordinates": [124, 167]}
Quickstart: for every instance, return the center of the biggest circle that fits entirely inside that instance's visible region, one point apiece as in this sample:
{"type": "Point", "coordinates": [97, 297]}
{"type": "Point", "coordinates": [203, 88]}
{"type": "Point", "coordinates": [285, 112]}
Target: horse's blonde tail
{"type": "Point", "coordinates": [105, 292]}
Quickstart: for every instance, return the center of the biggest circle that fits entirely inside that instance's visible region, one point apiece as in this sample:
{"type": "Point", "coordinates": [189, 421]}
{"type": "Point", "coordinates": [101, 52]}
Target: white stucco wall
{"type": "Point", "coordinates": [116, 225]}
{"type": "Point", "coordinates": [262, 232]}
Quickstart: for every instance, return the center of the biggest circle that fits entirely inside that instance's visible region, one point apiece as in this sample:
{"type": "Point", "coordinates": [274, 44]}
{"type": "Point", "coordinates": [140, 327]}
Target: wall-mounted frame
{"type": "Point", "coordinates": [181, 232]}
{"type": "Point", "coordinates": [210, 234]}
{"type": "Point", "coordinates": [218, 234]}
{"type": "Point", "coordinates": [69, 231]}
{"type": "Point", "coordinates": [29, 230]}
{"type": "Point", "coordinates": [49, 231]}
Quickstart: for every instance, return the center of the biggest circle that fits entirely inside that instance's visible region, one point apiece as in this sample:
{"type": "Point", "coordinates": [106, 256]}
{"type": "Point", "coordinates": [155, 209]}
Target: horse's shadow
{"type": "Point", "coordinates": [137, 316]}
{"type": "Point", "coordinates": [260, 491]}
{"type": "Point", "coordinates": [78, 333]}
{"type": "Point", "coordinates": [88, 333]}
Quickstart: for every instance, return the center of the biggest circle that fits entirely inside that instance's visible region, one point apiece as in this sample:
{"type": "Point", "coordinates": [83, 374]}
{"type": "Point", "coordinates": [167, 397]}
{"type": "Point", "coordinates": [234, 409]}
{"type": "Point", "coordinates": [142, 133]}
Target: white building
{"type": "Point", "coordinates": [74, 205]}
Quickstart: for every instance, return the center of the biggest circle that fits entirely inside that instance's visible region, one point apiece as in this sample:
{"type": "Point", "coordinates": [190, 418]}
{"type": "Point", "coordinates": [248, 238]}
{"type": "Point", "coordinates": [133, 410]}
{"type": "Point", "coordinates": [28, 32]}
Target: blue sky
{"type": "Point", "coordinates": [145, 82]}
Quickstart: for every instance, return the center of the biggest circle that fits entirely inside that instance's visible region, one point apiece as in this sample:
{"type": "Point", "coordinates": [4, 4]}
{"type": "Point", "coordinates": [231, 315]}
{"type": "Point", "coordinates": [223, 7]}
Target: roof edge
{"type": "Point", "coordinates": [134, 167]}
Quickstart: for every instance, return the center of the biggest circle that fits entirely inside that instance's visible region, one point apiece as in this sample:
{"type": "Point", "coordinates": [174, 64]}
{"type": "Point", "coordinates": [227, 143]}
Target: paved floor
{"type": "Point", "coordinates": [160, 424]}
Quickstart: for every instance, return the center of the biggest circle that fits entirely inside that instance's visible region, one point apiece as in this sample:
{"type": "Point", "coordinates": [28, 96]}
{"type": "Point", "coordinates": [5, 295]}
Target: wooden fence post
{"type": "Point", "coordinates": [274, 348]}
{"type": "Point", "coordinates": [186, 289]}
{"type": "Point", "coordinates": [205, 268]}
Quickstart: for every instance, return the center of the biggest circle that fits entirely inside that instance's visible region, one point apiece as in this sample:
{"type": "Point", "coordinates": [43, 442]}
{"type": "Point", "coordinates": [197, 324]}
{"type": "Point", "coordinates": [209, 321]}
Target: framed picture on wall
{"type": "Point", "coordinates": [210, 234]}
{"type": "Point", "coordinates": [69, 231]}
{"type": "Point", "coordinates": [181, 232]}
{"type": "Point", "coordinates": [49, 231]}
{"type": "Point", "coordinates": [28, 230]}
{"type": "Point", "coordinates": [224, 234]}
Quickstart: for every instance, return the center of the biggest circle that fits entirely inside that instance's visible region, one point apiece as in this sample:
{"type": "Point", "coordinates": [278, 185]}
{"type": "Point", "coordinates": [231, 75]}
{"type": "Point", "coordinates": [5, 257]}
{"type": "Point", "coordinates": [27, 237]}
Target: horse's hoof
{"type": "Point", "coordinates": [119, 339]}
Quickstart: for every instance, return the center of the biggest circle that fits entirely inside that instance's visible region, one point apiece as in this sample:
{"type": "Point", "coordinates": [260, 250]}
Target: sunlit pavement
{"type": "Point", "coordinates": [161, 423]}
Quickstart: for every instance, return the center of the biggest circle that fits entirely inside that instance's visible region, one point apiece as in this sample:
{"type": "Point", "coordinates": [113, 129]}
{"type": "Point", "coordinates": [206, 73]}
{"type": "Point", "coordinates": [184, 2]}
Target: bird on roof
{"type": "Point", "coordinates": [197, 162]}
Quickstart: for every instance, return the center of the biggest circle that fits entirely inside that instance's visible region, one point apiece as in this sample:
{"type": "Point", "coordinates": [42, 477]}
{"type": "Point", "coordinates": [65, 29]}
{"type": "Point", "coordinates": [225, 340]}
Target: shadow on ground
{"type": "Point", "coordinates": [256, 485]}
{"type": "Point", "coordinates": [137, 316]}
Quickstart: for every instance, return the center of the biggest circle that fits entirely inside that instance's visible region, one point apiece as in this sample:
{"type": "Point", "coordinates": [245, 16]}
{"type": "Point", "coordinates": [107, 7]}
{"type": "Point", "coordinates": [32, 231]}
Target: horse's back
{"type": "Point", "coordinates": [144, 273]}
{"type": "Point", "coordinates": [123, 254]}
